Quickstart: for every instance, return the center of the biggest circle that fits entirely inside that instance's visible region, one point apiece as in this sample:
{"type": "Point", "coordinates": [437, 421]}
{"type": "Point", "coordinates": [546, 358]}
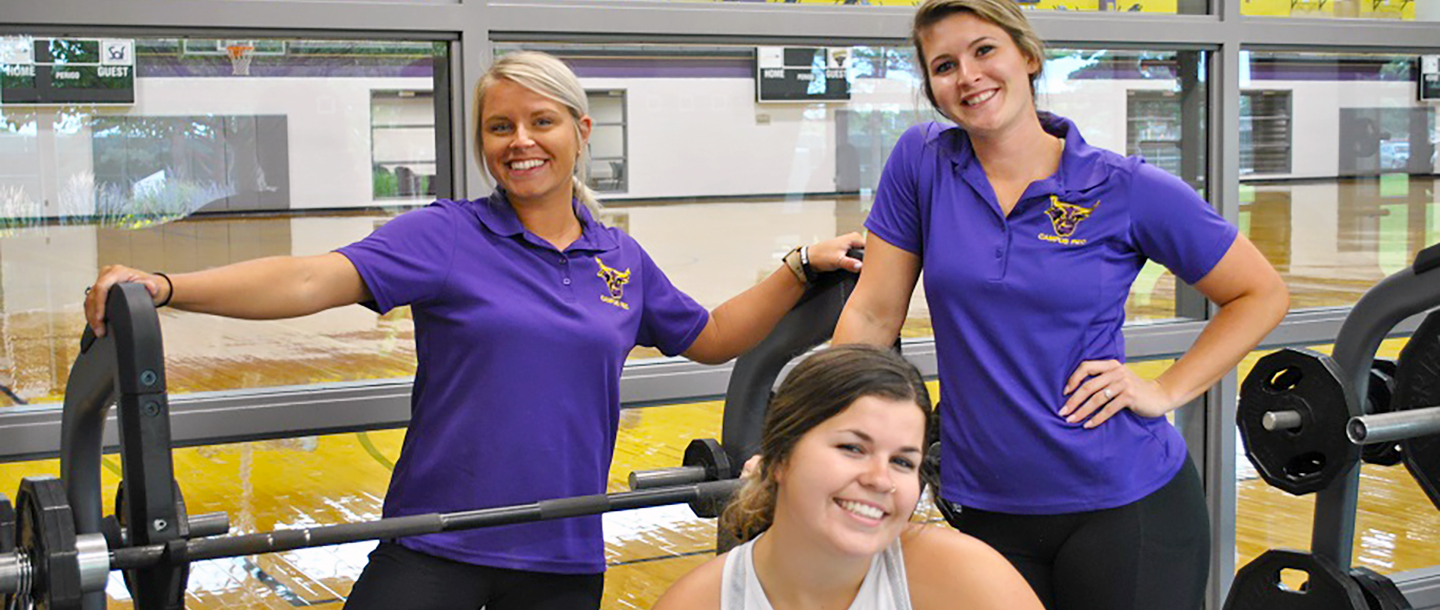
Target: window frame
{"type": "Point", "coordinates": [471, 27]}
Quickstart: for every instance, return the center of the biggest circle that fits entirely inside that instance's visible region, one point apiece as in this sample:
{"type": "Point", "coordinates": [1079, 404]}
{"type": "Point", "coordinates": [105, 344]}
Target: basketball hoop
{"type": "Point", "coordinates": [240, 54]}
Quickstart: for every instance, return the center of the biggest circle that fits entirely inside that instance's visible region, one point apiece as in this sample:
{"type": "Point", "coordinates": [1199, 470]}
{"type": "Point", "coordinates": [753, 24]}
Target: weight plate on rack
{"type": "Point", "coordinates": [45, 532]}
{"type": "Point", "coordinates": [1306, 458]}
{"type": "Point", "coordinates": [1380, 592]}
{"type": "Point", "coordinates": [1417, 385]}
{"type": "Point", "coordinates": [1258, 585]}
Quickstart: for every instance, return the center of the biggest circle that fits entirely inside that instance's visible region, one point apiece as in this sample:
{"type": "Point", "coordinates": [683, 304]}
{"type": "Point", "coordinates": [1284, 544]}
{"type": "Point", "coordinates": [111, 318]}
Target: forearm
{"type": "Point", "coordinates": [743, 321]}
{"type": "Point", "coordinates": [266, 288]}
{"type": "Point", "coordinates": [1234, 331]}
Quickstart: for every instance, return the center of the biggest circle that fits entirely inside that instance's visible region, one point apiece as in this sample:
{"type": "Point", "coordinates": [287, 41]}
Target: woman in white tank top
{"type": "Point", "coordinates": [826, 518]}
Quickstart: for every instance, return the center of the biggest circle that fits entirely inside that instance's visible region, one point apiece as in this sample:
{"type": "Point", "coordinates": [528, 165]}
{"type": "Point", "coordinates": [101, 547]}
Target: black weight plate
{"type": "Point", "coordinates": [1380, 592]}
{"type": "Point", "coordinates": [708, 453]}
{"type": "Point", "coordinates": [7, 525]}
{"type": "Point", "coordinates": [1308, 458]}
{"type": "Point", "coordinates": [45, 529]}
{"type": "Point", "coordinates": [709, 506]}
{"type": "Point", "coordinates": [1257, 586]}
{"type": "Point", "coordinates": [1380, 392]}
{"type": "Point", "coordinates": [1417, 385]}
{"type": "Point", "coordinates": [7, 540]}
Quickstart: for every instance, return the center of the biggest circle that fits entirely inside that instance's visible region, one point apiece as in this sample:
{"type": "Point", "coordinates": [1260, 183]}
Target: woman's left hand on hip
{"type": "Point", "coordinates": [1098, 389]}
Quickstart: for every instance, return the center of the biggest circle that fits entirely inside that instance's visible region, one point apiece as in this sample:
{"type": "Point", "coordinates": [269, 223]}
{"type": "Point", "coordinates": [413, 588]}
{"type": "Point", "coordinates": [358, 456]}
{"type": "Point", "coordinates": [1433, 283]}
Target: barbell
{"type": "Point", "coordinates": [45, 563]}
{"type": "Point", "coordinates": [1298, 432]}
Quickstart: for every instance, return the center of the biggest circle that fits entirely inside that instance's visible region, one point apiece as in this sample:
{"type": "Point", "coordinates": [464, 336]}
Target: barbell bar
{"type": "Point", "coordinates": [96, 559]}
{"type": "Point", "coordinates": [1281, 420]}
{"type": "Point", "coordinates": [1369, 429]}
{"type": "Point", "coordinates": [704, 460]}
{"type": "Point", "coordinates": [1390, 427]}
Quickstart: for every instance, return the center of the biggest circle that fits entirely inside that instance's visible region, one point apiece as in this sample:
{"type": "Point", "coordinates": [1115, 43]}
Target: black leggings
{"type": "Point", "coordinates": [1148, 555]}
{"type": "Point", "coordinates": [398, 578]}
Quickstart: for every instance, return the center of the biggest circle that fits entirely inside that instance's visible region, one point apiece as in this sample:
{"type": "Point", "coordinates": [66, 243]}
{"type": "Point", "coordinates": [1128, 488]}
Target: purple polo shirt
{"type": "Point", "coordinates": [517, 388]}
{"type": "Point", "coordinates": [1018, 302]}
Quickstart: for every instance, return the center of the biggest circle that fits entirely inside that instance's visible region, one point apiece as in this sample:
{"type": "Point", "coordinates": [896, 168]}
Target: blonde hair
{"type": "Point", "coordinates": [1003, 13]}
{"type": "Point", "coordinates": [821, 387]}
{"type": "Point", "coordinates": [544, 74]}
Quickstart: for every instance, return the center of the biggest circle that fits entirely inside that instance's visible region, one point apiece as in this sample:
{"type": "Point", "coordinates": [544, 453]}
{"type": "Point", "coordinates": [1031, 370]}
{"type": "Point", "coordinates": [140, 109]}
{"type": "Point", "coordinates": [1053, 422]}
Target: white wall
{"type": "Point", "coordinates": [693, 137]}
{"type": "Point", "coordinates": [1315, 112]}
{"type": "Point", "coordinates": [714, 251]}
{"type": "Point", "coordinates": [328, 123]}
{"type": "Point", "coordinates": [1098, 107]}
{"type": "Point", "coordinates": [687, 137]}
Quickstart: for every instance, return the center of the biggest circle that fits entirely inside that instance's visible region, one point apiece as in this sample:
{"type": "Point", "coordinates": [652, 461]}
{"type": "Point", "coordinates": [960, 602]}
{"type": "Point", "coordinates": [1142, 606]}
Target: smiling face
{"type": "Point", "coordinates": [837, 483]}
{"type": "Point", "coordinates": [979, 77]}
{"type": "Point", "coordinates": [529, 142]}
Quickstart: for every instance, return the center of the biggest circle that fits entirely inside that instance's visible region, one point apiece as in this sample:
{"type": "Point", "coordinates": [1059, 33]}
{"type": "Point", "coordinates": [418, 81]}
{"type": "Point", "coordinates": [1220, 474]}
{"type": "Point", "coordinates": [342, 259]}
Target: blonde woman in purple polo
{"type": "Point", "coordinates": [525, 308]}
{"type": "Point", "coordinates": [1059, 454]}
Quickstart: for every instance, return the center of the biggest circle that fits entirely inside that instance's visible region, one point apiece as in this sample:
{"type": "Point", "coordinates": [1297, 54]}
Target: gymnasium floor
{"type": "Point", "coordinates": [1341, 239]}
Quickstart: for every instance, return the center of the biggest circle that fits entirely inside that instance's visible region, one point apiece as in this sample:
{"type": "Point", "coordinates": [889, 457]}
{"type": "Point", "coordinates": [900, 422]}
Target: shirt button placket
{"type": "Point", "coordinates": [565, 280]}
{"type": "Point", "coordinates": [999, 273]}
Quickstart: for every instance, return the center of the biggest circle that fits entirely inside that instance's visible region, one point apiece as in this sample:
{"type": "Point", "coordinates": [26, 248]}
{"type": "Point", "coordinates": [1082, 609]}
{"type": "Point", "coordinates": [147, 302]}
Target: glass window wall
{"type": "Point", "coordinates": [1170, 7]}
{"type": "Point", "coordinates": [720, 185]}
{"type": "Point", "coordinates": [1358, 200]}
{"type": "Point", "coordinates": [1393, 10]}
{"type": "Point", "coordinates": [196, 160]}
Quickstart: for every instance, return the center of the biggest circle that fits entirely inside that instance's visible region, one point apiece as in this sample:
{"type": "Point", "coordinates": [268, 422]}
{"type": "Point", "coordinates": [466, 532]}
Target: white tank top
{"type": "Point", "coordinates": [884, 587]}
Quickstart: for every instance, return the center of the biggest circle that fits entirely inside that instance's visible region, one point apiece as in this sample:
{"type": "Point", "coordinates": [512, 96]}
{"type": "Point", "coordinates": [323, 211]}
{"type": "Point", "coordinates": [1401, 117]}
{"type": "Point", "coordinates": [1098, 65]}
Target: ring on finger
{"type": "Point", "coordinates": [1107, 393]}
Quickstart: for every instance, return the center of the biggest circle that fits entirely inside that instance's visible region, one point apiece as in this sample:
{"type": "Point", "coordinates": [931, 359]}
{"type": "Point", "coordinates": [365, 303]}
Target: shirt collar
{"type": "Point", "coordinates": [1082, 167]}
{"type": "Point", "coordinates": [499, 218]}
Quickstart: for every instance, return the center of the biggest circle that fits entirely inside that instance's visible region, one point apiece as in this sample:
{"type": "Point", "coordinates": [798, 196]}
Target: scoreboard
{"type": "Point", "coordinates": [801, 74]}
{"type": "Point", "coordinates": [67, 70]}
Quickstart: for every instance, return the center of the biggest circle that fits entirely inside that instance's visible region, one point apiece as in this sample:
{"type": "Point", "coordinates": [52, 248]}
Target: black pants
{"type": "Point", "coordinates": [398, 578]}
{"type": "Point", "coordinates": [1153, 554]}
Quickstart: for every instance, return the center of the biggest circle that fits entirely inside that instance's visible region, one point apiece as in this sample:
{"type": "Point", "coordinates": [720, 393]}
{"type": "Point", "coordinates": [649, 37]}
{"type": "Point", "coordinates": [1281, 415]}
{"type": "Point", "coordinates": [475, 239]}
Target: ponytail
{"type": "Point", "coordinates": [583, 194]}
{"type": "Point", "coordinates": [753, 509]}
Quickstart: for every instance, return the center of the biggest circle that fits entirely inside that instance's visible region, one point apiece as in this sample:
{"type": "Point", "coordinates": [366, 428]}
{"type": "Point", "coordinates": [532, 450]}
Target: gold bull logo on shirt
{"type": "Point", "coordinates": [615, 281]}
{"type": "Point", "coordinates": [1065, 218]}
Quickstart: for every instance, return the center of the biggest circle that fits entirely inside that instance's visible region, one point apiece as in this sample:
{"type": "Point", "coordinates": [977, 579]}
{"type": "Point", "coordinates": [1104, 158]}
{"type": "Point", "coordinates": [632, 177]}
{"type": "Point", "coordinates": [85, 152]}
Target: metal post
{"type": "Point", "coordinates": [1389, 302]}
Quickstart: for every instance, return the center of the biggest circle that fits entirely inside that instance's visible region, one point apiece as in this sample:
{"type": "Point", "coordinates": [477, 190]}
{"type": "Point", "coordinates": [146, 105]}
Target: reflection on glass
{"type": "Point", "coordinates": [1169, 7]}
{"type": "Point", "coordinates": [697, 142]}
{"type": "Point", "coordinates": [402, 135]}
{"type": "Point", "coordinates": [1339, 188]}
{"type": "Point", "coordinates": [715, 184]}
{"type": "Point", "coordinates": [1401, 10]}
{"type": "Point", "coordinates": [608, 142]}
{"type": "Point", "coordinates": [202, 168]}
{"type": "Point", "coordinates": [1265, 132]}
